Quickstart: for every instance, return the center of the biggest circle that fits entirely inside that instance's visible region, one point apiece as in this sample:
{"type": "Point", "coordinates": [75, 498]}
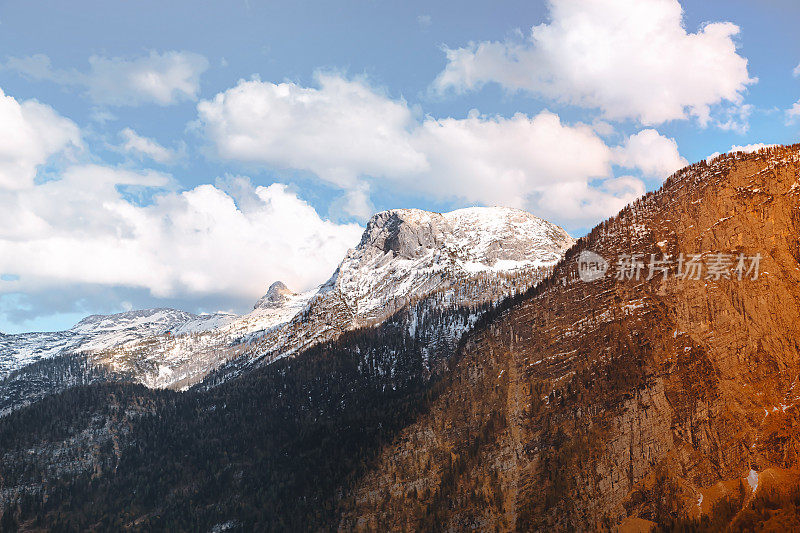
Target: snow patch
{"type": "Point", "coordinates": [752, 480]}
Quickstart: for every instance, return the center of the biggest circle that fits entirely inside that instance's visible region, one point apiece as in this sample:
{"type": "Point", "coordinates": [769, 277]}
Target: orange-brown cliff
{"type": "Point", "coordinates": [622, 403]}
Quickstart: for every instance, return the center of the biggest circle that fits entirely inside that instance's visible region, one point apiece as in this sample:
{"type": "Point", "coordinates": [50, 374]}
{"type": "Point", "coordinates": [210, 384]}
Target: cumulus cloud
{"type": "Point", "coordinates": [82, 229]}
{"type": "Point", "coordinates": [655, 155]}
{"type": "Point", "coordinates": [30, 133]}
{"type": "Point", "coordinates": [158, 78]}
{"type": "Point", "coordinates": [628, 58]}
{"type": "Point", "coordinates": [145, 147]}
{"type": "Point", "coordinates": [519, 161]}
{"type": "Point", "coordinates": [338, 131]}
{"type": "Point", "coordinates": [750, 148]}
{"type": "Point", "coordinates": [587, 204]}
{"type": "Point", "coordinates": [91, 225]}
{"type": "Point", "coordinates": [351, 135]}
{"type": "Point", "coordinates": [355, 203]}
{"type": "Point", "coordinates": [735, 119]}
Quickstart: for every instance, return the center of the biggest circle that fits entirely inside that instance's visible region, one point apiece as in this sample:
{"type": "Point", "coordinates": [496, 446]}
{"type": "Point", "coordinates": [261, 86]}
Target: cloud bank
{"type": "Point", "coordinates": [353, 136]}
{"type": "Point", "coordinates": [102, 226]}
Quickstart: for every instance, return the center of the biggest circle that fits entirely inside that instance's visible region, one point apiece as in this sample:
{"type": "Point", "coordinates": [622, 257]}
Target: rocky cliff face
{"type": "Point", "coordinates": [622, 401]}
{"type": "Point", "coordinates": [277, 295]}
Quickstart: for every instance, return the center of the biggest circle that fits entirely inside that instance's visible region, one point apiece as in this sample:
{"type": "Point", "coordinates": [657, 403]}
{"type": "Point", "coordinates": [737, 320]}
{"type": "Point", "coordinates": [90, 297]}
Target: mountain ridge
{"type": "Point", "coordinates": [403, 254]}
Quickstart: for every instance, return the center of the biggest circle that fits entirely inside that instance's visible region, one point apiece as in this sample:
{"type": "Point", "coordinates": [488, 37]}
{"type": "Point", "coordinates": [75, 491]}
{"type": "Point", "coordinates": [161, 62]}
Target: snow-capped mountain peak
{"type": "Point", "coordinates": [490, 234]}
{"type": "Point", "coordinates": [468, 256]}
{"type": "Point", "coordinates": [405, 253]}
{"type": "Point", "coordinates": [277, 294]}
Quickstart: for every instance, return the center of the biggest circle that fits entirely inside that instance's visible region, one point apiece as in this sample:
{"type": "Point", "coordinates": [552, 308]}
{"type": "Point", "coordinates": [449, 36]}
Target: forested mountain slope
{"type": "Point", "coordinates": [272, 449]}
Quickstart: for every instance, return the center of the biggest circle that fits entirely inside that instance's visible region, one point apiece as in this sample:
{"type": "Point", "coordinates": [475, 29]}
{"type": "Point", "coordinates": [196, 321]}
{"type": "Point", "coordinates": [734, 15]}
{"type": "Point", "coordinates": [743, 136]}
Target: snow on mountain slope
{"type": "Point", "coordinates": [468, 256]}
{"type": "Point", "coordinates": [508, 238]}
{"type": "Point", "coordinates": [406, 253]}
{"type": "Point", "coordinates": [93, 333]}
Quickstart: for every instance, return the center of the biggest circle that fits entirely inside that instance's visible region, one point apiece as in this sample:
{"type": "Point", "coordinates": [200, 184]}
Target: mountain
{"type": "Point", "coordinates": [613, 395]}
{"type": "Point", "coordinates": [93, 333]}
{"type": "Point", "coordinates": [468, 256]}
{"type": "Point", "coordinates": [465, 257]}
{"type": "Point", "coordinates": [625, 402]}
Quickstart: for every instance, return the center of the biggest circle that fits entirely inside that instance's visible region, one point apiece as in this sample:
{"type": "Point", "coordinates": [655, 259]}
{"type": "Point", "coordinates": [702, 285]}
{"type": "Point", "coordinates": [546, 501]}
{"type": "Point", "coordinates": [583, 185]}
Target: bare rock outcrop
{"type": "Point", "coordinates": [593, 404]}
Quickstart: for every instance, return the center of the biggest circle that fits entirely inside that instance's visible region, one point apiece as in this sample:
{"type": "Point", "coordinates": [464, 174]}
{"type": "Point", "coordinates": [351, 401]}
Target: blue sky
{"type": "Point", "coordinates": [187, 155]}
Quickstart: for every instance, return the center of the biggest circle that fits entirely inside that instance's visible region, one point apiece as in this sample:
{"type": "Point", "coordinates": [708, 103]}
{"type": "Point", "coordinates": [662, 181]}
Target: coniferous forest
{"type": "Point", "coordinates": [271, 450]}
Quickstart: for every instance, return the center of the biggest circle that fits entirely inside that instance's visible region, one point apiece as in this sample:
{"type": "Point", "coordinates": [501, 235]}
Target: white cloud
{"type": "Point", "coordinates": [793, 114]}
{"type": "Point", "coordinates": [750, 148]}
{"type": "Point", "coordinates": [144, 146]}
{"type": "Point", "coordinates": [30, 133]}
{"type": "Point", "coordinates": [354, 203]}
{"type": "Point", "coordinates": [81, 230]}
{"type": "Point", "coordinates": [586, 204]}
{"type": "Point", "coordinates": [629, 58]}
{"type": "Point", "coordinates": [86, 225]}
{"type": "Point", "coordinates": [655, 155]}
{"type": "Point", "coordinates": [101, 115]}
{"type": "Point", "coordinates": [159, 78]}
{"type": "Point", "coordinates": [735, 119]}
{"type": "Point", "coordinates": [350, 135]}
{"type": "Point", "coordinates": [517, 161]}
{"type": "Point", "coordinates": [747, 149]}
{"type": "Point", "coordinates": [424, 21]}
{"type": "Point", "coordinates": [338, 131]}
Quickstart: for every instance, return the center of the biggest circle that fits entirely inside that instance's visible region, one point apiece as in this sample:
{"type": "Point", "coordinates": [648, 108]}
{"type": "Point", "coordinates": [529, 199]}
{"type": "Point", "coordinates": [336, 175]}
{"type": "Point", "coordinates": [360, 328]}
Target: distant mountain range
{"type": "Point", "coordinates": [471, 255]}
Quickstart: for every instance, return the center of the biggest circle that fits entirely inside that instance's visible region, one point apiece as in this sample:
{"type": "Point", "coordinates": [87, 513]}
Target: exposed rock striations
{"type": "Point", "coordinates": [595, 403]}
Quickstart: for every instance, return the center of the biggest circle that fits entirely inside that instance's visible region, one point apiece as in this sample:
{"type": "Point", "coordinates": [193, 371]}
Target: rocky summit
{"type": "Point", "coordinates": [276, 296]}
